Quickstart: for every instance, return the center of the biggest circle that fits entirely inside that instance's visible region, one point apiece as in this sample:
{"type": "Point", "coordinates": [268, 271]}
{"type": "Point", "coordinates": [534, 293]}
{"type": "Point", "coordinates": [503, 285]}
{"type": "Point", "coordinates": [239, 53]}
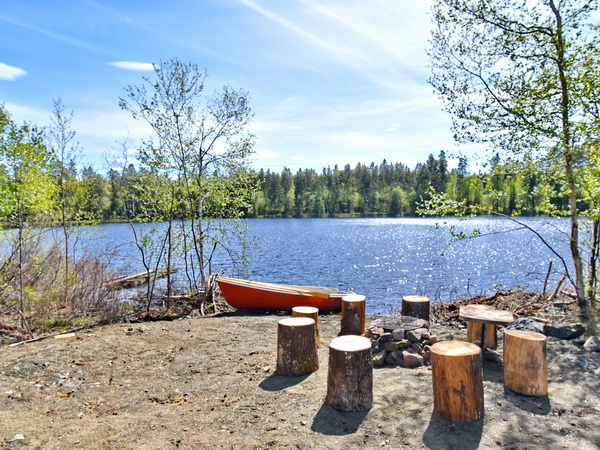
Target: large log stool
{"type": "Point", "coordinates": [475, 331]}
{"type": "Point", "coordinates": [353, 314]}
{"type": "Point", "coordinates": [296, 347]}
{"type": "Point", "coordinates": [415, 306]}
{"type": "Point", "coordinates": [312, 313]}
{"type": "Point", "coordinates": [350, 374]}
{"type": "Point", "coordinates": [525, 362]}
{"type": "Point", "coordinates": [457, 381]}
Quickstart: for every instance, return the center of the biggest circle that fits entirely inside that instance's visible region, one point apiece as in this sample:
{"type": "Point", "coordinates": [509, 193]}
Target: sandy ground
{"type": "Point", "coordinates": [211, 383]}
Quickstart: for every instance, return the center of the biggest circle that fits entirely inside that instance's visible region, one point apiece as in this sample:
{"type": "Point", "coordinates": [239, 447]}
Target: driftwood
{"type": "Point", "coordinates": [136, 279]}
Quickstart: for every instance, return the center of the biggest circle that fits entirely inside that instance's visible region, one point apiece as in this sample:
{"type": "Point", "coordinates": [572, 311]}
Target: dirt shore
{"type": "Point", "coordinates": [211, 383]}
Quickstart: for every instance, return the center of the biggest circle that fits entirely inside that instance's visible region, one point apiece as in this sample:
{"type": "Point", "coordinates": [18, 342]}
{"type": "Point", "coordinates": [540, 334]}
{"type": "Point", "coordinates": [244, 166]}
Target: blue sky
{"type": "Point", "coordinates": [330, 81]}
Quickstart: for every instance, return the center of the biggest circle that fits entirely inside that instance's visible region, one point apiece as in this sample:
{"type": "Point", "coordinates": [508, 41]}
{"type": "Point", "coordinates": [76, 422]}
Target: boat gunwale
{"type": "Point", "coordinates": [310, 291]}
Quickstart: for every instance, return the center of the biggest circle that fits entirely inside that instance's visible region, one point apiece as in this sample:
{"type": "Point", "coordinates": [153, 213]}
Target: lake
{"type": "Point", "coordinates": [385, 258]}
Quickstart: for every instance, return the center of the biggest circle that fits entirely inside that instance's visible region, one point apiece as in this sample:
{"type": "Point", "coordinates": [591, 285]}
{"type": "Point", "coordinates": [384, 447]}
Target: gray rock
{"type": "Point", "coordinates": [379, 358]}
{"type": "Point", "coordinates": [413, 336]}
{"type": "Point", "coordinates": [564, 332]}
{"type": "Point", "coordinates": [424, 333]}
{"type": "Point", "coordinates": [398, 335]}
{"type": "Point", "coordinates": [404, 343]}
{"type": "Point", "coordinates": [417, 348]}
{"type": "Point", "coordinates": [385, 337]}
{"type": "Point", "coordinates": [431, 340]}
{"type": "Point", "coordinates": [399, 323]}
{"type": "Point", "coordinates": [576, 360]}
{"type": "Point", "coordinates": [390, 360]}
{"type": "Point", "coordinates": [493, 356]}
{"type": "Point", "coordinates": [411, 359]}
{"type": "Point", "coordinates": [397, 356]}
{"type": "Point", "coordinates": [592, 344]}
{"type": "Point", "coordinates": [527, 324]}
{"type": "Point", "coordinates": [391, 346]}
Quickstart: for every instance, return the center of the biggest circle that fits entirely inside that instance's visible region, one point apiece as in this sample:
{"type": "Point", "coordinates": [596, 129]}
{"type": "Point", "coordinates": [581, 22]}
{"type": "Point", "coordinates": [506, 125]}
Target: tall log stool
{"type": "Point", "coordinates": [353, 314]}
{"type": "Point", "coordinates": [296, 347]}
{"type": "Point", "coordinates": [525, 362]}
{"type": "Point", "coordinates": [475, 331]}
{"type": "Point", "coordinates": [312, 313]}
{"type": "Point", "coordinates": [415, 306]}
{"type": "Point", "coordinates": [457, 381]}
{"type": "Point", "coordinates": [350, 374]}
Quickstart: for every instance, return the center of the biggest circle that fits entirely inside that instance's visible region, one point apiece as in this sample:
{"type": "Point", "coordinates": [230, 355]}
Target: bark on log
{"type": "Point", "coordinates": [415, 306]}
{"type": "Point", "coordinates": [474, 331]}
{"type": "Point", "coordinates": [312, 313]}
{"type": "Point", "coordinates": [525, 362]}
{"type": "Point", "coordinates": [457, 381]}
{"type": "Point", "coordinates": [350, 374]}
{"type": "Point", "coordinates": [353, 314]}
{"type": "Point", "coordinates": [296, 347]}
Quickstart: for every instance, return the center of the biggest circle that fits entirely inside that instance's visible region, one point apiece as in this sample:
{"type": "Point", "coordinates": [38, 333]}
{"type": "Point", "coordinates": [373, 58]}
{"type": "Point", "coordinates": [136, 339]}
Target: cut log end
{"type": "Point", "coordinates": [350, 343]}
{"type": "Point", "coordinates": [455, 348]}
{"type": "Point", "coordinates": [303, 311]}
{"type": "Point", "coordinates": [312, 313]}
{"type": "Point", "coordinates": [296, 322]}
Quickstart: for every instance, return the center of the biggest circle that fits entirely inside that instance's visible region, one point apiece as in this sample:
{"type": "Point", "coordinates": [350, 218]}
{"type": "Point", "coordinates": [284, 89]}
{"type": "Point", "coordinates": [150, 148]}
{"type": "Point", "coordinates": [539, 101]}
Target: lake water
{"type": "Point", "coordinates": [384, 258]}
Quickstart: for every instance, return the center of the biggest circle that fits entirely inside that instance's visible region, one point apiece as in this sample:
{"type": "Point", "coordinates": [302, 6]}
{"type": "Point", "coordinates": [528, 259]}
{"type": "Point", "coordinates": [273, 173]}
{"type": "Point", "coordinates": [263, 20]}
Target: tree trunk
{"type": "Point", "coordinates": [568, 158]}
{"type": "Point", "coordinates": [353, 314]}
{"type": "Point", "coordinates": [525, 362]}
{"type": "Point", "coordinates": [415, 306]}
{"type": "Point", "coordinates": [457, 381]}
{"type": "Point", "coordinates": [475, 331]}
{"type": "Point", "coordinates": [350, 374]}
{"type": "Point", "coordinates": [592, 279]}
{"type": "Point", "coordinates": [296, 347]}
{"type": "Point", "coordinates": [312, 313]}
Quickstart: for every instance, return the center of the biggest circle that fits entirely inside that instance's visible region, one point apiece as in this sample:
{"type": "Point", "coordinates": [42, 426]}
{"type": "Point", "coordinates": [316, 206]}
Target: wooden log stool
{"type": "Point", "coordinates": [415, 306]}
{"type": "Point", "coordinates": [457, 381]}
{"type": "Point", "coordinates": [475, 331]}
{"type": "Point", "coordinates": [350, 374]}
{"type": "Point", "coordinates": [296, 347]}
{"type": "Point", "coordinates": [353, 314]}
{"type": "Point", "coordinates": [525, 362]}
{"type": "Point", "coordinates": [312, 313]}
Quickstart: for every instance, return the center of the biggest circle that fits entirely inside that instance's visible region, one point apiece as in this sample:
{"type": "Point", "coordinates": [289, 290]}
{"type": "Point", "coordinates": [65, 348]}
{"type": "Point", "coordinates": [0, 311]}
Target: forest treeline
{"type": "Point", "coordinates": [385, 189]}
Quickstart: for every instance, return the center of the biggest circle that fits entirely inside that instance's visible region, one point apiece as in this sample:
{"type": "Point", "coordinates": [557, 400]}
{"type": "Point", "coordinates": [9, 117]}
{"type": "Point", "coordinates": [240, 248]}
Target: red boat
{"type": "Point", "coordinates": [256, 295]}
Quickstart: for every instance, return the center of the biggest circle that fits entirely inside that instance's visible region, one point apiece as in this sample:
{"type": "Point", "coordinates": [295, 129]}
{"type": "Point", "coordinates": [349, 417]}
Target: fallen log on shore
{"type": "Point", "coordinates": [137, 279]}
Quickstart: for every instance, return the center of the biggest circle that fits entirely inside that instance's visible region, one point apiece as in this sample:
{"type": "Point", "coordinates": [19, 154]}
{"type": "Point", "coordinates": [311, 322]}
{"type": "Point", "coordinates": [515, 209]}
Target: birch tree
{"type": "Point", "coordinates": [196, 137]}
{"type": "Point", "coordinates": [522, 77]}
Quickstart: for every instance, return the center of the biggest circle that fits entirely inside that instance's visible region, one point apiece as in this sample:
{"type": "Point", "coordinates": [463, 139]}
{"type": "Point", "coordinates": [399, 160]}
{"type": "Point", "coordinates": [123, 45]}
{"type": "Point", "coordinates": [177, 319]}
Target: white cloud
{"type": "Point", "coordinates": [10, 73]}
{"type": "Point", "coordinates": [131, 65]}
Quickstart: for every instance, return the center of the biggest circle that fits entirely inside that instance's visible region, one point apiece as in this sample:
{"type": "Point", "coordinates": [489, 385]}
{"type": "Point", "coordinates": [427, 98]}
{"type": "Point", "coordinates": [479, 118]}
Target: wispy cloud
{"type": "Point", "coordinates": [131, 65]}
{"type": "Point", "coordinates": [10, 73]}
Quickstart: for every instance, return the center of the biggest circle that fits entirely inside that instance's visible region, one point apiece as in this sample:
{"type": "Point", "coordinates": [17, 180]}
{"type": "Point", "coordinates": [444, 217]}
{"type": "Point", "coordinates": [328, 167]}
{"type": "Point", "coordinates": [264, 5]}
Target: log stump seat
{"type": "Point", "coordinates": [353, 314]}
{"type": "Point", "coordinates": [296, 347]}
{"type": "Point", "coordinates": [525, 362]}
{"type": "Point", "coordinates": [476, 331]}
{"type": "Point", "coordinates": [350, 374]}
{"type": "Point", "coordinates": [312, 313]}
{"type": "Point", "coordinates": [415, 306]}
{"type": "Point", "coordinates": [457, 377]}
